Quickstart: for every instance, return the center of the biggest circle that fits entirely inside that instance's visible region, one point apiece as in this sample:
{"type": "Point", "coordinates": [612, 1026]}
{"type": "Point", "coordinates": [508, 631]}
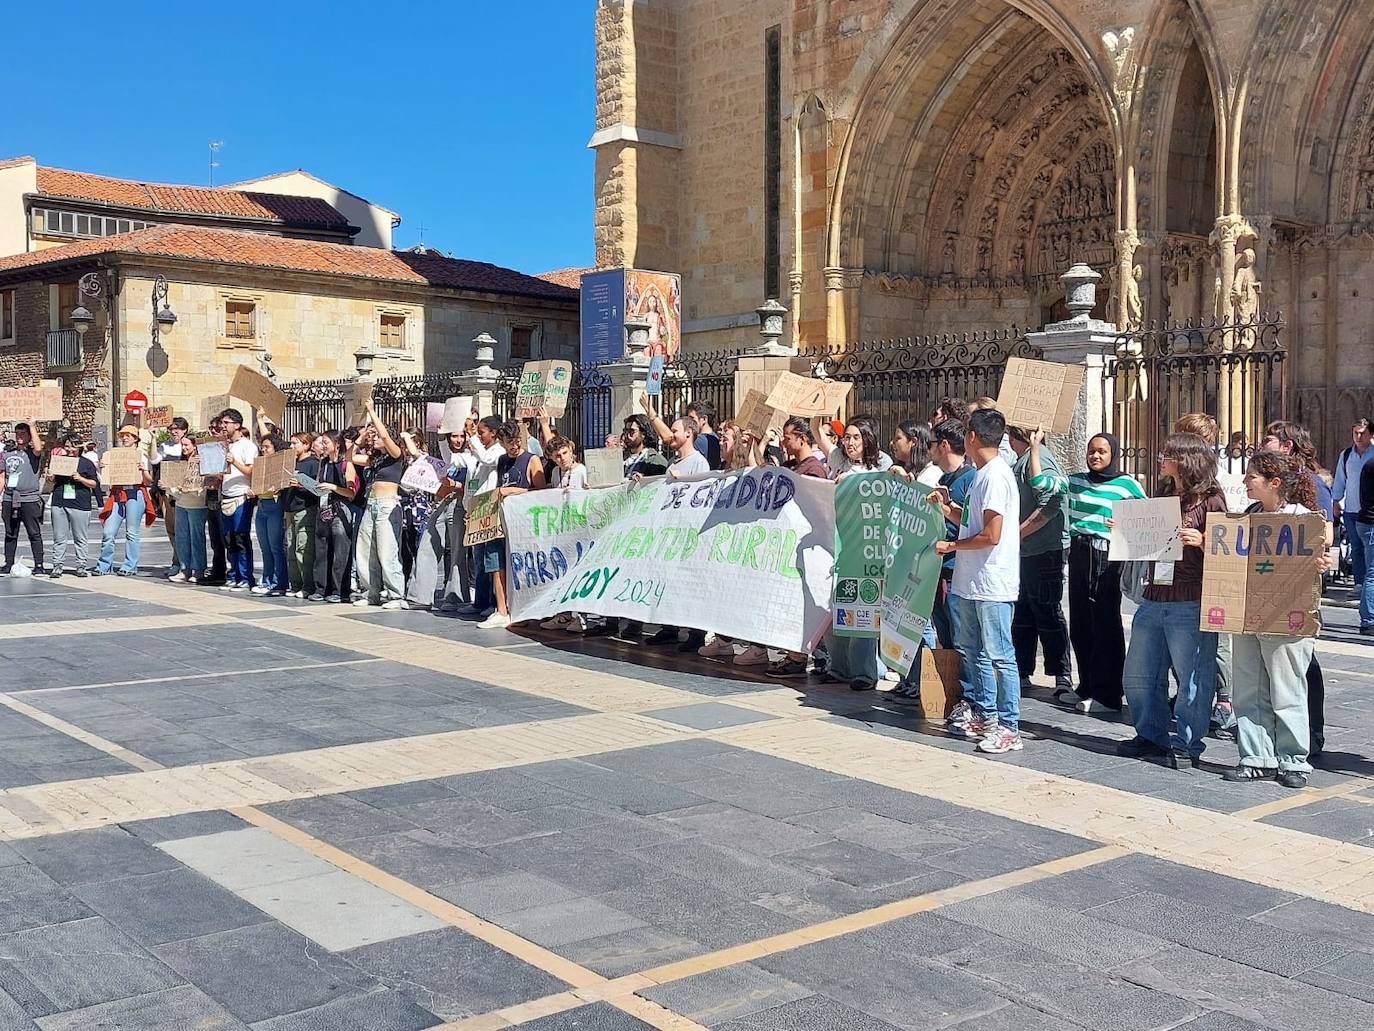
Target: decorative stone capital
{"type": "Point", "coordinates": [834, 278]}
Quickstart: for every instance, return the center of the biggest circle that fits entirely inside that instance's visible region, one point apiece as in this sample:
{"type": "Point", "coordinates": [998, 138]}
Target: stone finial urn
{"type": "Point", "coordinates": [1080, 291]}
{"type": "Point", "coordinates": [637, 339]}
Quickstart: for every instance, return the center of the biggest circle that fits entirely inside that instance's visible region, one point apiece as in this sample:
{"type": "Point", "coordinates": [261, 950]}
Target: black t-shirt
{"type": "Point", "coordinates": [68, 493]}
{"type": "Point", "coordinates": [298, 499]}
{"type": "Point", "coordinates": [1366, 515]}
{"type": "Point", "coordinates": [709, 446]}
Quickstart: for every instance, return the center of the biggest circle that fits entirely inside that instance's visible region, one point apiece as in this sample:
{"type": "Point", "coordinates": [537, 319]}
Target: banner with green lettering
{"type": "Point", "coordinates": [749, 554]}
{"type": "Point", "coordinates": [913, 572]}
{"type": "Point", "coordinates": [860, 530]}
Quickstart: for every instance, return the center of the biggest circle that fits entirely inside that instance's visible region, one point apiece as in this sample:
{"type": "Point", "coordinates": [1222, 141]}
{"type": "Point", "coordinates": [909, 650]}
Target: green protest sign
{"type": "Point", "coordinates": [860, 529]}
{"type": "Point", "coordinates": [913, 572]}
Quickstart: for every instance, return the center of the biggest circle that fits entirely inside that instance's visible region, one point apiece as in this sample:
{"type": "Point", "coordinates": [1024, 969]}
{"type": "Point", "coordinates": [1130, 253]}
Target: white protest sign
{"type": "Point", "coordinates": [425, 474]}
{"type": "Point", "coordinates": [1146, 530]}
{"type": "Point", "coordinates": [605, 466]}
{"type": "Point", "coordinates": [1233, 485]}
{"type": "Point", "coordinates": [747, 553]}
{"type": "Point", "coordinates": [213, 460]}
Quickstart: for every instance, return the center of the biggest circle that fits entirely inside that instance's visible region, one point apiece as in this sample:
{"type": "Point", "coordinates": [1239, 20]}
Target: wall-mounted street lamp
{"type": "Point", "coordinates": [363, 358]}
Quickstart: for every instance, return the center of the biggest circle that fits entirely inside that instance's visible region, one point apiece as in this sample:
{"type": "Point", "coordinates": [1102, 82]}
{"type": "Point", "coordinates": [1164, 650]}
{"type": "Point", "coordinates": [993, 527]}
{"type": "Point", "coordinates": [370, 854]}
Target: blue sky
{"type": "Point", "coordinates": [467, 117]}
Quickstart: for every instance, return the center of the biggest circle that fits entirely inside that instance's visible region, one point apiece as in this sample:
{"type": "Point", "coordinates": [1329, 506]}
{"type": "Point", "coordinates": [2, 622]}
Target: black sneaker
{"type": "Point", "coordinates": [664, 635]}
{"type": "Point", "coordinates": [1139, 748]}
{"type": "Point", "coordinates": [1239, 774]}
{"type": "Point", "coordinates": [1292, 779]}
{"type": "Point", "coordinates": [6, 570]}
{"type": "Point", "coordinates": [862, 684]}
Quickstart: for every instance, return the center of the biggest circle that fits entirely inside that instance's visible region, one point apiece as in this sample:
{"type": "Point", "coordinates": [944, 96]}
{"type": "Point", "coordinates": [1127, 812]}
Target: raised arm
{"type": "Point", "coordinates": [660, 427]}
{"type": "Point", "coordinates": [383, 434]}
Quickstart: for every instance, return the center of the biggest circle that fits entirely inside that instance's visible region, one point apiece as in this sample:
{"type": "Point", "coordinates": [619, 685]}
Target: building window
{"type": "Point", "coordinates": [772, 162]}
{"type": "Point", "coordinates": [67, 223]}
{"type": "Point", "coordinates": [240, 319]}
{"type": "Point", "coordinates": [521, 342]}
{"type": "Point", "coordinates": [392, 332]}
{"type": "Point", "coordinates": [68, 297]}
{"type": "Point", "coordinates": [7, 316]}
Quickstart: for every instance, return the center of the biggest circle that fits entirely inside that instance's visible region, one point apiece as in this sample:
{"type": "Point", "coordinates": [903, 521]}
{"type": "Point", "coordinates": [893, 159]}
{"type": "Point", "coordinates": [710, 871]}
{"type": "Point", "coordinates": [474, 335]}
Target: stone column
{"type": "Point", "coordinates": [629, 376]}
{"type": "Point", "coordinates": [480, 383]}
{"type": "Point", "coordinates": [1080, 340]}
{"type": "Point", "coordinates": [834, 307]}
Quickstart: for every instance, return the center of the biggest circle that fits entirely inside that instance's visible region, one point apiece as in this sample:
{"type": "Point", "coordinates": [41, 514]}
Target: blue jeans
{"type": "Point", "coordinates": [855, 658]}
{"type": "Point", "coordinates": [983, 637]}
{"type": "Point", "coordinates": [191, 540]}
{"type": "Point", "coordinates": [238, 542]}
{"type": "Point", "coordinates": [1364, 533]}
{"type": "Point", "coordinates": [271, 525]}
{"type": "Point", "coordinates": [945, 620]}
{"type": "Point", "coordinates": [128, 514]}
{"type": "Point", "coordinates": [1165, 634]}
{"type": "Point", "coordinates": [1359, 551]}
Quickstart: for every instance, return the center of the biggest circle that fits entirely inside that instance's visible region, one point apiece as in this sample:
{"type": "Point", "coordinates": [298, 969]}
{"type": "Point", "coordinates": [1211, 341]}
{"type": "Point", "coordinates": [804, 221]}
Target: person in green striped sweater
{"type": "Point", "coordinates": [1095, 629]}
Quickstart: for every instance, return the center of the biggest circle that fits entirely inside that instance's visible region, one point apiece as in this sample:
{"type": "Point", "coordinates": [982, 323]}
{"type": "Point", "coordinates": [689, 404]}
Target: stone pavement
{"type": "Point", "coordinates": [219, 812]}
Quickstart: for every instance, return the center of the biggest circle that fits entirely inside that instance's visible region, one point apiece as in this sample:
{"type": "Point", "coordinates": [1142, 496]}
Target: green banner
{"type": "Point", "coordinates": [861, 503]}
{"type": "Point", "coordinates": [913, 572]}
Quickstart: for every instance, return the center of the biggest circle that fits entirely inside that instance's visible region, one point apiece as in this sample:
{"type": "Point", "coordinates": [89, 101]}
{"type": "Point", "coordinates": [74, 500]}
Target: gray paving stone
{"type": "Point", "coordinates": [1242, 941]}
{"type": "Point", "coordinates": [30, 898]}
{"type": "Point", "coordinates": [628, 952]}
{"type": "Point", "coordinates": [401, 794]}
{"type": "Point", "coordinates": [926, 935]}
{"type": "Point", "coordinates": [424, 858]}
{"type": "Point", "coordinates": [746, 831]}
{"type": "Point", "coordinates": [740, 873]}
{"type": "Point", "coordinates": [1217, 1020]}
{"type": "Point", "coordinates": [616, 830]}
{"type": "Point", "coordinates": [627, 792]}
{"type": "Point", "coordinates": [175, 1009]}
{"type": "Point", "coordinates": [727, 994]}
{"type": "Point", "coordinates": [1202, 887]}
{"type": "Point", "coordinates": [559, 923]}
{"type": "Point", "coordinates": [340, 910]}
{"type": "Point", "coordinates": [509, 790]}
{"type": "Point", "coordinates": [1071, 936]}
{"type": "Point", "coordinates": [338, 818]}
{"type": "Point", "coordinates": [188, 825]}
{"type": "Point", "coordinates": [1013, 1017]}
{"type": "Point", "coordinates": [382, 1010]}
{"type": "Point", "coordinates": [597, 1017]}
{"type": "Point", "coordinates": [813, 1013]}
{"type": "Point", "coordinates": [708, 715]}
{"type": "Point", "coordinates": [853, 864]}
{"type": "Point", "coordinates": [247, 858]}
{"type": "Point", "coordinates": [263, 971]}
{"type": "Point", "coordinates": [12, 1015]}
{"type": "Point", "coordinates": [1351, 975]}
{"type": "Point", "coordinates": [1337, 818]}
{"type": "Point", "coordinates": [79, 857]}
{"type": "Point", "coordinates": [80, 963]}
{"type": "Point", "coordinates": [161, 907]}
{"type": "Point", "coordinates": [503, 893]}
{"type": "Point", "coordinates": [570, 862]}
{"type": "Point", "coordinates": [1335, 923]}
{"type": "Point", "coordinates": [878, 832]}
{"type": "Point", "coordinates": [453, 974]}
{"type": "Point", "coordinates": [184, 749]}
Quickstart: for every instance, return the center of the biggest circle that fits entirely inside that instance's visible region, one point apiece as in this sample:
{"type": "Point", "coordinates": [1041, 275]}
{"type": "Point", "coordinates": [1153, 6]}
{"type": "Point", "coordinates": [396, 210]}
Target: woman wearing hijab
{"type": "Point", "coordinates": [1099, 643]}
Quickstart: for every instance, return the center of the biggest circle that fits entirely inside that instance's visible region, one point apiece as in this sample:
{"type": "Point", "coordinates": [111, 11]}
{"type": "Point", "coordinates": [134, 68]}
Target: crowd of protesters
{"type": "Point", "coordinates": [1018, 530]}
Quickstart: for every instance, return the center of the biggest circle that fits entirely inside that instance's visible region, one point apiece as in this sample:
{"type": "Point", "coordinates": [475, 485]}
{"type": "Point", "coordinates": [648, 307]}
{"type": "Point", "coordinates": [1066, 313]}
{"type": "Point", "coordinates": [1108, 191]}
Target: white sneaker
{"type": "Point", "coordinates": [361, 603]}
{"type": "Point", "coordinates": [562, 621]}
{"type": "Point", "coordinates": [180, 578]}
{"type": "Point", "coordinates": [333, 599]}
{"type": "Point", "coordinates": [718, 648]}
{"type": "Point", "coordinates": [753, 655]}
{"type": "Point", "coordinates": [496, 621]}
{"type": "Point", "coordinates": [259, 589]}
{"type": "Point", "coordinates": [298, 594]}
{"type": "Point", "coordinates": [396, 603]}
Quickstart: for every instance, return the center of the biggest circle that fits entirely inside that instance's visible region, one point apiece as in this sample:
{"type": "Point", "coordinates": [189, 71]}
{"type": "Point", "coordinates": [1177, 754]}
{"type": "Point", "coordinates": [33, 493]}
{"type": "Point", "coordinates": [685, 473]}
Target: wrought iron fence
{"type": "Point", "coordinates": [317, 405]}
{"type": "Point", "coordinates": [707, 376]}
{"type": "Point", "coordinates": [906, 377]}
{"type": "Point", "coordinates": [1234, 371]}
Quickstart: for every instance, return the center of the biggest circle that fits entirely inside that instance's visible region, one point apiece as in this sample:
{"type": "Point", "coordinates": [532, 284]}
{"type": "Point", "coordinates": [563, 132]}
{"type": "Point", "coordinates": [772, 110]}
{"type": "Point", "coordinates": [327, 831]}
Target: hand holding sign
{"type": "Point", "coordinates": [1147, 530]}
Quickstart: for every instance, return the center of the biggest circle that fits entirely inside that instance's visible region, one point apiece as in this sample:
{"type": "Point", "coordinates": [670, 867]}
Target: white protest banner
{"type": "Point", "coordinates": [605, 465]}
{"type": "Point", "coordinates": [1036, 393]}
{"type": "Point", "coordinates": [260, 392]}
{"type": "Point", "coordinates": [543, 385]}
{"type": "Point", "coordinates": [1146, 530]}
{"type": "Point", "coordinates": [42, 403]}
{"type": "Point", "coordinates": [1233, 486]}
{"type": "Point", "coordinates": [747, 553]}
{"type": "Point", "coordinates": [425, 474]}
{"type": "Point", "coordinates": [63, 465]}
{"type": "Point", "coordinates": [457, 411]}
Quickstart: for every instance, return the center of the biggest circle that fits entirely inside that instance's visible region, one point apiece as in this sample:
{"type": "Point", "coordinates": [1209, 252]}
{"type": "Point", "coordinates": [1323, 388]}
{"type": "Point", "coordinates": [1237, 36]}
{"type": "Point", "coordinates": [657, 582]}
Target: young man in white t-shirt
{"type": "Point", "coordinates": [987, 579]}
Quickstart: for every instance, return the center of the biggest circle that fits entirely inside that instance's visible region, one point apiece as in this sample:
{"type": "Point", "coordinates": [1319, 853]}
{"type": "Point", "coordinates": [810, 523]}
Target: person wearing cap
{"type": "Point", "coordinates": [22, 492]}
{"type": "Point", "coordinates": [126, 506]}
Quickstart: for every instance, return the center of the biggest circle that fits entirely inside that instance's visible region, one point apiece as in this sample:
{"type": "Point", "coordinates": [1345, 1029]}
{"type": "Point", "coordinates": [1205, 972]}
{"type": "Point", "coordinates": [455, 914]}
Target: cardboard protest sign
{"type": "Point", "coordinates": [1259, 573]}
{"type": "Point", "coordinates": [940, 688]}
{"type": "Point", "coordinates": [425, 474]}
{"type": "Point", "coordinates": [157, 417]}
{"type": "Point", "coordinates": [63, 465]}
{"type": "Point", "coordinates": [911, 575]}
{"type": "Point", "coordinates": [181, 476]}
{"type": "Point", "coordinates": [42, 403]}
{"type": "Point", "coordinates": [359, 394]}
{"type": "Point", "coordinates": [1146, 530]}
{"type": "Point", "coordinates": [1233, 486]}
{"type": "Point", "coordinates": [860, 531]}
{"type": "Point", "coordinates": [1036, 393]}
{"type": "Point", "coordinates": [122, 467]}
{"type": "Point", "coordinates": [457, 411]}
{"type": "Point", "coordinates": [653, 382]}
{"type": "Point", "coordinates": [272, 473]}
{"type": "Point", "coordinates": [434, 416]}
{"type": "Point", "coordinates": [213, 460]}
{"type": "Point", "coordinates": [214, 404]}
{"type": "Point", "coordinates": [747, 553]}
{"type": "Point", "coordinates": [484, 520]}
{"type": "Point", "coordinates": [803, 395]}
{"type": "Point", "coordinates": [756, 417]}
{"type": "Point", "coordinates": [260, 392]}
{"type": "Point", "coordinates": [543, 385]}
{"type": "Point", "coordinates": [605, 465]}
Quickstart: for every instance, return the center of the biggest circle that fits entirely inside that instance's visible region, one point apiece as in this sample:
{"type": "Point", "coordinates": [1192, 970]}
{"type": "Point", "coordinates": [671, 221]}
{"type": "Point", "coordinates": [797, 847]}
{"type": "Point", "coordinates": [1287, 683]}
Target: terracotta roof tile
{"type": "Point", "coordinates": [189, 200]}
{"type": "Point", "coordinates": [233, 247]}
{"type": "Point", "coordinates": [569, 277]}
